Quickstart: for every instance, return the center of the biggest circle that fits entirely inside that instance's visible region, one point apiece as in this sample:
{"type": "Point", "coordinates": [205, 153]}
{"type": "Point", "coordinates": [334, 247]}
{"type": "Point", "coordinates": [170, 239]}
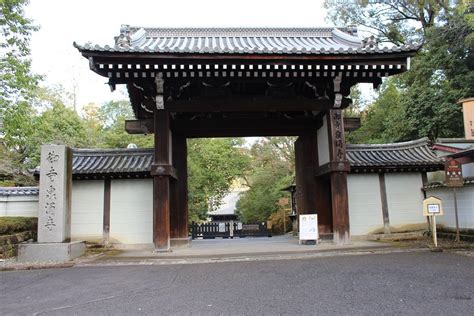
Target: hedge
{"type": "Point", "coordinates": [12, 225]}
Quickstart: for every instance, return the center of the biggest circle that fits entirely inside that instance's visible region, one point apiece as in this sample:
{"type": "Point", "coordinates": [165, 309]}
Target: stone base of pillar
{"type": "Point", "coordinates": [342, 238]}
{"type": "Point", "coordinates": [51, 252]}
{"type": "Point", "coordinates": [164, 250]}
{"type": "Point", "coordinates": [180, 242]}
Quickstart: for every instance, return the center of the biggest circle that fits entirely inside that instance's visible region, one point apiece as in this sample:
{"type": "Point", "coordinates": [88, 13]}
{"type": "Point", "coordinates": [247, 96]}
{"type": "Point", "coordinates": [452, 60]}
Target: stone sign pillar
{"type": "Point", "coordinates": [54, 213]}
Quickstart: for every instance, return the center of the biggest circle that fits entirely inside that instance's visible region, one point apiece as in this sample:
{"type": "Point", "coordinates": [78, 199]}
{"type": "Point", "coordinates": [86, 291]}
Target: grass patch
{"type": "Point", "coordinates": [12, 225]}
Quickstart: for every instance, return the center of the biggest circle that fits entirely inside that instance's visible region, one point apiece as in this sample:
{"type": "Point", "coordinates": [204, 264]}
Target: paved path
{"type": "Point", "coordinates": [248, 246]}
{"type": "Point", "coordinates": [399, 283]}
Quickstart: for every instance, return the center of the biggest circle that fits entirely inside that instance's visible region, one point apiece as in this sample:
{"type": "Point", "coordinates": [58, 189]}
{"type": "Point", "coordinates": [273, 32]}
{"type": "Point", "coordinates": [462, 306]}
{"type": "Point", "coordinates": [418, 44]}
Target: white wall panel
{"type": "Point", "coordinates": [13, 205]}
{"type": "Point", "coordinates": [323, 143]}
{"type": "Point", "coordinates": [404, 199]}
{"type": "Point", "coordinates": [3, 205]}
{"type": "Point", "coordinates": [87, 204]}
{"type": "Point", "coordinates": [465, 198]}
{"type": "Point", "coordinates": [131, 216]}
{"type": "Point", "coordinates": [365, 206]}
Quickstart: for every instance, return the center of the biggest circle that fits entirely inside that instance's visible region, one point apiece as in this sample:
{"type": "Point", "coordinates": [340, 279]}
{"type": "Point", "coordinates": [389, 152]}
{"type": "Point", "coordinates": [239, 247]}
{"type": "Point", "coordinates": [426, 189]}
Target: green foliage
{"type": "Point", "coordinates": [12, 225]}
{"type": "Point", "coordinates": [16, 79]}
{"type": "Point", "coordinates": [213, 164]}
{"type": "Point", "coordinates": [442, 74]}
{"type": "Point", "coordinates": [105, 125]}
{"type": "Point", "coordinates": [11, 172]}
{"type": "Point", "coordinates": [378, 117]}
{"type": "Point", "coordinates": [272, 168]}
{"type": "Point", "coordinates": [395, 21]}
{"type": "Point", "coordinates": [278, 226]}
{"type": "Point", "coordinates": [112, 116]}
{"type": "Point", "coordinates": [423, 101]}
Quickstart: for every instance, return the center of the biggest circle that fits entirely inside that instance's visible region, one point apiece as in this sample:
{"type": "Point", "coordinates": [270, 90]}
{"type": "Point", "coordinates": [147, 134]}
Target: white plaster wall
{"type": "Point", "coordinates": [365, 205]}
{"type": "Point", "coordinates": [87, 204]}
{"type": "Point", "coordinates": [131, 216]}
{"type": "Point", "coordinates": [3, 206]}
{"type": "Point", "coordinates": [404, 199]}
{"type": "Point", "coordinates": [468, 170]}
{"type": "Point", "coordinates": [465, 198]}
{"type": "Point", "coordinates": [323, 143]}
{"type": "Point", "coordinates": [19, 206]}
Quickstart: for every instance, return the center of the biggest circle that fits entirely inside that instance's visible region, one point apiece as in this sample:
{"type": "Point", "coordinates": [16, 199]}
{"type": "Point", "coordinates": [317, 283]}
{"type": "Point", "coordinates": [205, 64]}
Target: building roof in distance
{"type": "Point", "coordinates": [407, 156]}
{"type": "Point", "coordinates": [264, 41]}
{"type": "Point", "coordinates": [416, 154]}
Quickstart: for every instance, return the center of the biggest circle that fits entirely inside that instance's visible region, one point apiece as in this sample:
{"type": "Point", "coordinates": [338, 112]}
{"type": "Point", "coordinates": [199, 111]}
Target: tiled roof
{"type": "Point", "coordinates": [412, 154]}
{"type": "Point", "coordinates": [315, 41]}
{"type": "Point", "coordinates": [467, 181]}
{"type": "Point", "coordinates": [407, 155]}
{"type": "Point", "coordinates": [107, 161]}
{"type": "Point", "coordinates": [17, 191]}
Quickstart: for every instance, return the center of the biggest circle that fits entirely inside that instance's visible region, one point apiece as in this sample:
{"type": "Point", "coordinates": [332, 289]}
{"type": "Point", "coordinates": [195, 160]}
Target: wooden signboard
{"type": "Point", "coordinates": [432, 206]}
{"type": "Point", "coordinates": [453, 171]}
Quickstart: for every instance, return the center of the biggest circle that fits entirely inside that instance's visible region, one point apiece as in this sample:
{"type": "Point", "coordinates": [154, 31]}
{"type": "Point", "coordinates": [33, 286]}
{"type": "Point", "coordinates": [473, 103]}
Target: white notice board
{"type": "Point", "coordinates": [309, 227]}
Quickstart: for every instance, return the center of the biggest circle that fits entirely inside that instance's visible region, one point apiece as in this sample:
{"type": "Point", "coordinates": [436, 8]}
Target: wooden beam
{"type": "Point", "coordinates": [251, 104]}
{"type": "Point", "coordinates": [351, 124]}
{"type": "Point", "coordinates": [166, 58]}
{"type": "Point", "coordinates": [235, 127]}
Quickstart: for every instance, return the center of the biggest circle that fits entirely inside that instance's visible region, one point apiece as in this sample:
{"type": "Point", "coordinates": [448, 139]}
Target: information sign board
{"type": "Point", "coordinates": [453, 172]}
{"type": "Point", "coordinates": [308, 227]}
{"type": "Point", "coordinates": [432, 206]}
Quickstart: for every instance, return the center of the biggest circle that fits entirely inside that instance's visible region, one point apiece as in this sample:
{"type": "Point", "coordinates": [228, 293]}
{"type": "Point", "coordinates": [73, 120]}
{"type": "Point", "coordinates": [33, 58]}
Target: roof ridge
{"type": "Point", "coordinates": [424, 141]}
{"type": "Point", "coordinates": [102, 151]}
{"type": "Point", "coordinates": [320, 31]}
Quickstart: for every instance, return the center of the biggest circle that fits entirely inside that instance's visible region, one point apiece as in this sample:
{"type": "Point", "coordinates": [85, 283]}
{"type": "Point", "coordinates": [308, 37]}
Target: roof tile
{"type": "Point", "coordinates": [325, 40]}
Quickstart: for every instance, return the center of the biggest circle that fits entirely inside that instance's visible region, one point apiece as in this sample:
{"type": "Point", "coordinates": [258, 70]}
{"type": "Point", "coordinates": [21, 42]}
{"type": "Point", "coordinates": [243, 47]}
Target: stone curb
{"type": "Point", "coordinates": [244, 258]}
{"type": "Point", "coordinates": [84, 262]}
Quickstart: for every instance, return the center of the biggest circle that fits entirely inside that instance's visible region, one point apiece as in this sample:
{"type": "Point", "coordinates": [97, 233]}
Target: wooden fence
{"type": "Point", "coordinates": [212, 230]}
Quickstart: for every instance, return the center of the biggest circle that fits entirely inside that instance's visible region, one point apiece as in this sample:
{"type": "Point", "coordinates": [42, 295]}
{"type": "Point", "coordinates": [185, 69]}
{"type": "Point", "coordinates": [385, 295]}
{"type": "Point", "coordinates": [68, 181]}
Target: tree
{"type": "Point", "coordinates": [378, 116]}
{"type": "Point", "coordinates": [394, 21]}
{"type": "Point", "coordinates": [105, 125]}
{"type": "Point", "coordinates": [442, 74]}
{"type": "Point", "coordinates": [213, 164]}
{"type": "Point", "coordinates": [422, 101]}
{"type": "Point", "coordinates": [272, 169]}
{"type": "Point", "coordinates": [16, 79]}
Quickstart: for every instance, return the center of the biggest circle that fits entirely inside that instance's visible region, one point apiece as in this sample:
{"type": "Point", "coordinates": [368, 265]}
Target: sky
{"type": "Point", "coordinates": [98, 21]}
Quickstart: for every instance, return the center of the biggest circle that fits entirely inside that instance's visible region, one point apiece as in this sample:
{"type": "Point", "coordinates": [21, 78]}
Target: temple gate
{"type": "Point", "coordinates": [236, 82]}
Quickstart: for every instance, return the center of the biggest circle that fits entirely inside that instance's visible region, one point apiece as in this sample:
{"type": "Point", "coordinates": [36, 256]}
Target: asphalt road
{"type": "Point", "coordinates": [398, 283]}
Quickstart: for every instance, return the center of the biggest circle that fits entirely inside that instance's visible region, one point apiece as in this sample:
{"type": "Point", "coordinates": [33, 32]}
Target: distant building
{"type": "Point", "coordinates": [227, 210]}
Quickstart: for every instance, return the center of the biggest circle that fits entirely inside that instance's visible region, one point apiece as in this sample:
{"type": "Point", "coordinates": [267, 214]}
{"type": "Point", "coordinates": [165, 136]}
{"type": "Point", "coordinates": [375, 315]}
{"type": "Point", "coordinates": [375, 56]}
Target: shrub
{"type": "Point", "coordinates": [12, 225]}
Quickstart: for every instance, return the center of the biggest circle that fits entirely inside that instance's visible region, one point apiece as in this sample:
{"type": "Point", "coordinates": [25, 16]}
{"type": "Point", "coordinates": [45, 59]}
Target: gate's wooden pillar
{"type": "Point", "coordinates": [339, 167]}
{"type": "Point", "coordinates": [179, 212]}
{"type": "Point", "coordinates": [312, 194]}
{"type": "Point", "coordinates": [306, 158]}
{"type": "Point", "coordinates": [162, 172]}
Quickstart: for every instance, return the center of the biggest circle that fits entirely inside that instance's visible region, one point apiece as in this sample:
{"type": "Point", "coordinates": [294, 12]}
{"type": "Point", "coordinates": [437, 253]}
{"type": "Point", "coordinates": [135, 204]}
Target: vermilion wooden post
{"type": "Point", "coordinates": [339, 169]}
{"type": "Point", "coordinates": [179, 212]}
{"type": "Point", "coordinates": [161, 171]}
